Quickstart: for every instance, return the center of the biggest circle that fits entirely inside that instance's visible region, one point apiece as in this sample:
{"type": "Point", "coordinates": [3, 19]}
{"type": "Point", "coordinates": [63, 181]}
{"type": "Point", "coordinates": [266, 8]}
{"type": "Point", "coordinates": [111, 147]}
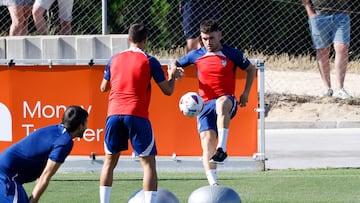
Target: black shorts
{"type": "Point", "coordinates": [193, 12]}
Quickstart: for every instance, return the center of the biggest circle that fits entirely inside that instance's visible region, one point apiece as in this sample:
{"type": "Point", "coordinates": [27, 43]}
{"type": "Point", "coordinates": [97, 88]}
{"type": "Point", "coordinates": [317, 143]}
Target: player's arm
{"type": "Point", "coordinates": [179, 72]}
{"type": "Point", "coordinates": [250, 75]}
{"type": "Point", "coordinates": [309, 10]}
{"type": "Point", "coordinates": [43, 181]}
{"type": "Point", "coordinates": [105, 85]}
{"type": "Point", "coordinates": [186, 60]}
{"type": "Point", "coordinates": [167, 86]}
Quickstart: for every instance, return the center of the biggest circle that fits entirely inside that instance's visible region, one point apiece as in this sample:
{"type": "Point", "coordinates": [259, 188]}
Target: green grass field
{"type": "Point", "coordinates": [320, 185]}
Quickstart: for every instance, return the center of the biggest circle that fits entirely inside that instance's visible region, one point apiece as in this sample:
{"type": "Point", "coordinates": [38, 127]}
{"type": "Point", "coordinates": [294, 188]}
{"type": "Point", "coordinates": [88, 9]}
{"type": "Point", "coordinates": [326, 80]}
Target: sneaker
{"type": "Point", "coordinates": [327, 92]}
{"type": "Point", "coordinates": [215, 184]}
{"type": "Point", "coordinates": [219, 157]}
{"type": "Point", "coordinates": [342, 94]}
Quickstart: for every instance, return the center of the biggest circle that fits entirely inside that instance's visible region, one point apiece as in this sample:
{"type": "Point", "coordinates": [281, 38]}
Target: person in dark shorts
{"type": "Point", "coordinates": [127, 77]}
{"type": "Point", "coordinates": [193, 12]}
{"type": "Point", "coordinates": [216, 66]}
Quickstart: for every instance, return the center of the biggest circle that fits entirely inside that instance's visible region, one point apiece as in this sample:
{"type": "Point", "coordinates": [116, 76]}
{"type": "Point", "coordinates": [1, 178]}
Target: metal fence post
{"type": "Point", "coordinates": [104, 17]}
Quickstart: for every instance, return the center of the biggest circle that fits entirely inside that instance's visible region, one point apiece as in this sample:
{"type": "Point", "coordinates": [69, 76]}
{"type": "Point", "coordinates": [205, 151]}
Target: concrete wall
{"type": "Point", "coordinates": [63, 49]}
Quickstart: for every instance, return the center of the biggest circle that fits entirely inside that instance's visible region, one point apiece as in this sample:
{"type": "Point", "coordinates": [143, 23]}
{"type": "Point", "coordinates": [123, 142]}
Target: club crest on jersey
{"type": "Point", "coordinates": [223, 62]}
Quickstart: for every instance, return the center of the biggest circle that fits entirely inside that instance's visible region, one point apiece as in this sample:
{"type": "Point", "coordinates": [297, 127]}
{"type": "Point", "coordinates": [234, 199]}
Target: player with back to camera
{"type": "Point", "coordinates": [127, 75]}
{"type": "Point", "coordinates": [216, 65]}
{"type": "Point", "coordinates": [38, 156]}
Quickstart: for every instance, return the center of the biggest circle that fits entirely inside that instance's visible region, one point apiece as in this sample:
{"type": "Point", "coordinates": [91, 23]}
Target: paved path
{"type": "Point", "coordinates": [164, 164]}
{"type": "Point", "coordinates": [285, 149]}
{"type": "Point", "coordinates": [312, 148]}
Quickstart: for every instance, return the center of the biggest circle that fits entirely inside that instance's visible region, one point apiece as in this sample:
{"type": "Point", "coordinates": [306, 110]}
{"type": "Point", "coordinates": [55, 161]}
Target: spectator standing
{"type": "Point", "coordinates": [329, 23]}
{"type": "Point", "coordinates": [65, 15]}
{"type": "Point", "coordinates": [20, 12]}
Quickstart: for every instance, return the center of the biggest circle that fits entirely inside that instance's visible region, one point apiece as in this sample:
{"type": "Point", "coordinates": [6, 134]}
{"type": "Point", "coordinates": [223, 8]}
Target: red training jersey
{"type": "Point", "coordinates": [129, 73]}
{"type": "Point", "coordinates": [216, 71]}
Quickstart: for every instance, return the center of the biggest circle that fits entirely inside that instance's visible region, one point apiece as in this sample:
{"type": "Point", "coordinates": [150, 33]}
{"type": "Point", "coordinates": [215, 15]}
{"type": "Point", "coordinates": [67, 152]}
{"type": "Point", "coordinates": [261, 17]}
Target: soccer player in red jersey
{"type": "Point", "coordinates": [216, 65]}
{"type": "Point", "coordinates": [127, 76]}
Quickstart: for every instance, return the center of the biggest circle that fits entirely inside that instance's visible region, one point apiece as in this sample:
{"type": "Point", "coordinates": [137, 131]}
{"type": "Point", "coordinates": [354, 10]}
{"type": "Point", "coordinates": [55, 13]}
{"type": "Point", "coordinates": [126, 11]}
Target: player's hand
{"type": "Point", "coordinates": [175, 72]}
{"type": "Point", "coordinates": [179, 74]}
{"type": "Point", "coordinates": [243, 100]}
{"type": "Point", "coordinates": [171, 71]}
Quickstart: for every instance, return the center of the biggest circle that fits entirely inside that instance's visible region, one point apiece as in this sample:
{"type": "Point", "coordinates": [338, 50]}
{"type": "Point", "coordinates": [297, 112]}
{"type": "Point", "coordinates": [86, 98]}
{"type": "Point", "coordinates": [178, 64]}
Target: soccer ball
{"type": "Point", "coordinates": [191, 104]}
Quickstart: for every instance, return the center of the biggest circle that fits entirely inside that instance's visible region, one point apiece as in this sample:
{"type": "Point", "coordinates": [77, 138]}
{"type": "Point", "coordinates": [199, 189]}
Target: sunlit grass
{"type": "Point", "coordinates": [317, 185]}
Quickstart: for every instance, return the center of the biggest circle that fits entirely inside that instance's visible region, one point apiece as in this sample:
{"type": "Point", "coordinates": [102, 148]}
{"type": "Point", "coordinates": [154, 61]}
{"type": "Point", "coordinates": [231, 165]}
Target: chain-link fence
{"type": "Point", "coordinates": [266, 26]}
{"type": "Point", "coordinates": [275, 30]}
{"type": "Point", "coordinates": [86, 14]}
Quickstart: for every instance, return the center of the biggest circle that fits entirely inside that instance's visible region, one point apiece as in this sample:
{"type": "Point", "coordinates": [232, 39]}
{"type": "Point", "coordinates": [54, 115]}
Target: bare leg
{"type": "Point", "coordinates": [65, 27]}
{"type": "Point", "coordinates": [106, 176]}
{"type": "Point", "coordinates": [39, 20]}
{"type": "Point", "coordinates": [341, 60]}
{"type": "Point", "coordinates": [107, 171]}
{"type": "Point", "coordinates": [208, 143]}
{"type": "Point", "coordinates": [150, 175]}
{"type": "Point", "coordinates": [323, 60]}
{"type": "Point", "coordinates": [19, 18]}
{"type": "Point", "coordinates": [223, 110]}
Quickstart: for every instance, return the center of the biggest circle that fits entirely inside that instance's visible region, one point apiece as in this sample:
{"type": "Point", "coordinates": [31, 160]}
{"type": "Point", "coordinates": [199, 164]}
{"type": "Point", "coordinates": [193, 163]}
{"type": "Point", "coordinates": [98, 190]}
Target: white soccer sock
{"type": "Point", "coordinates": [150, 196]}
{"type": "Point", "coordinates": [211, 176]}
{"type": "Point", "coordinates": [105, 192]}
{"type": "Point", "coordinates": [222, 138]}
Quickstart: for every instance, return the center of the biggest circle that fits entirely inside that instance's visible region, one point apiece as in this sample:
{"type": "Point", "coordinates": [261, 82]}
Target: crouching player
{"type": "Point", "coordinates": [38, 156]}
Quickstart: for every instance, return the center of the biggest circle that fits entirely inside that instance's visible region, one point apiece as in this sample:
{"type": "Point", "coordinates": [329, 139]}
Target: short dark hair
{"type": "Point", "coordinates": [73, 117]}
{"type": "Point", "coordinates": [138, 32]}
{"type": "Point", "coordinates": [210, 25]}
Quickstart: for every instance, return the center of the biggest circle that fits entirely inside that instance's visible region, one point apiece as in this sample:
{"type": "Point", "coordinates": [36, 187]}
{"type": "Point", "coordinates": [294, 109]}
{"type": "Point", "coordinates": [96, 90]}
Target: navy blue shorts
{"type": "Point", "coordinates": [193, 12]}
{"type": "Point", "coordinates": [207, 119]}
{"type": "Point", "coordinates": [121, 128]}
{"type": "Point", "coordinates": [11, 191]}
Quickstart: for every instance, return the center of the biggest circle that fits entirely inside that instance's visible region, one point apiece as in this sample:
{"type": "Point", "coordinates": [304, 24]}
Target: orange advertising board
{"type": "Point", "coordinates": [35, 96]}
